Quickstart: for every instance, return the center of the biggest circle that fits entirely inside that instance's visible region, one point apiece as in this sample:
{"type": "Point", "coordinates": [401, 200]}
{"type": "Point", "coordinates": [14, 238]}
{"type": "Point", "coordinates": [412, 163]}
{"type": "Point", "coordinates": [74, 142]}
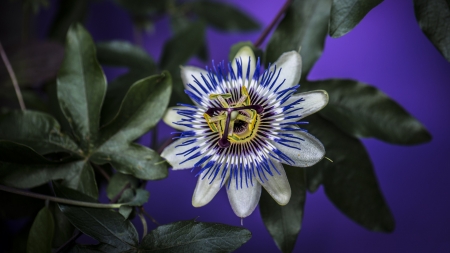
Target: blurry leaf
{"type": "Point", "coordinates": [178, 94]}
{"type": "Point", "coordinates": [134, 197]}
{"type": "Point", "coordinates": [133, 120]}
{"type": "Point", "coordinates": [37, 130]}
{"type": "Point", "coordinates": [364, 111]}
{"type": "Point", "coordinates": [63, 228]}
{"type": "Point", "coordinates": [349, 181]}
{"type": "Point", "coordinates": [346, 14]}
{"type": "Point", "coordinates": [81, 86]}
{"type": "Point", "coordinates": [32, 100]}
{"type": "Point", "coordinates": [304, 26]}
{"type": "Point", "coordinates": [434, 20]}
{"type": "Point", "coordinates": [118, 182]}
{"type": "Point", "coordinates": [192, 236]}
{"type": "Point", "coordinates": [33, 63]}
{"type": "Point", "coordinates": [133, 159]}
{"type": "Point", "coordinates": [125, 211]}
{"type": "Point", "coordinates": [69, 12]}
{"type": "Point", "coordinates": [284, 222]}
{"type": "Point", "coordinates": [104, 225]}
{"type": "Point", "coordinates": [235, 48]}
{"type": "Point", "coordinates": [142, 7]}
{"type": "Point", "coordinates": [182, 46]}
{"type": "Point", "coordinates": [35, 5]}
{"type": "Point", "coordinates": [224, 16]}
{"type": "Point", "coordinates": [41, 233]}
{"type": "Point", "coordinates": [104, 248]}
{"type": "Point", "coordinates": [117, 90]}
{"type": "Point", "coordinates": [314, 176]}
{"type": "Point", "coordinates": [202, 53]}
{"type": "Point", "coordinates": [123, 53]}
{"type": "Point", "coordinates": [82, 178]}
{"type": "Point", "coordinates": [178, 22]}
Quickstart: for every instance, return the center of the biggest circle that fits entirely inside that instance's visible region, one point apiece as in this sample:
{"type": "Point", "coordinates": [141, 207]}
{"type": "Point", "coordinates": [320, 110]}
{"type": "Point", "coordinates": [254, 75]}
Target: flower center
{"type": "Point", "coordinates": [237, 123]}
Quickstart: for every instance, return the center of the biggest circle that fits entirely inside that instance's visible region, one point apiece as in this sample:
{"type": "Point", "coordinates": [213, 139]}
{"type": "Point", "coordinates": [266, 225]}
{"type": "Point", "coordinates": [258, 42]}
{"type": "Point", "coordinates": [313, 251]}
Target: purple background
{"type": "Point", "coordinates": [388, 50]}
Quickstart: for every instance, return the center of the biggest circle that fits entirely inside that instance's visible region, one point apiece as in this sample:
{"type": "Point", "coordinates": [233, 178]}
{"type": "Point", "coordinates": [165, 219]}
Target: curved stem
{"type": "Point", "coordinates": [144, 224]}
{"type": "Point", "coordinates": [13, 77]}
{"type": "Point", "coordinates": [269, 28]}
{"type": "Point", "coordinates": [59, 200]}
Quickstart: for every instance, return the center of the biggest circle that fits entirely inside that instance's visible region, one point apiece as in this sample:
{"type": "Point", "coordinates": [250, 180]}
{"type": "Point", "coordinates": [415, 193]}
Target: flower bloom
{"type": "Point", "coordinates": [242, 127]}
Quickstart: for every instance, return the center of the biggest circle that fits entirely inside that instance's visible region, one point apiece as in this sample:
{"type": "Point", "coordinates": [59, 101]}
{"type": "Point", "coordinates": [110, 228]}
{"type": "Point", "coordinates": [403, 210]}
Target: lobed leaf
{"type": "Point", "coordinates": [346, 14]}
{"type": "Point", "coordinates": [284, 222]}
{"type": "Point", "coordinates": [118, 182]}
{"type": "Point", "coordinates": [364, 111]}
{"type": "Point", "coordinates": [224, 17]}
{"type": "Point", "coordinates": [82, 178]}
{"type": "Point", "coordinates": [434, 20]}
{"type": "Point", "coordinates": [124, 54]}
{"type": "Point", "coordinates": [192, 236]}
{"type": "Point", "coordinates": [104, 225]}
{"type": "Point", "coordinates": [350, 181]}
{"type": "Point", "coordinates": [41, 233]}
{"type": "Point", "coordinates": [304, 26]}
{"type": "Point", "coordinates": [81, 86]}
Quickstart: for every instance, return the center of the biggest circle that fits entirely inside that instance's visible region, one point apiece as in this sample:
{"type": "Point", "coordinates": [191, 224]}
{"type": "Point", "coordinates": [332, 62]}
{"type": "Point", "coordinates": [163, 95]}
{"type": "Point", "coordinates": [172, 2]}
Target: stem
{"type": "Point", "coordinates": [269, 28]}
{"type": "Point", "coordinates": [117, 197]}
{"type": "Point", "coordinates": [144, 224]}
{"type": "Point", "coordinates": [102, 171]}
{"type": "Point", "coordinates": [148, 215]}
{"type": "Point", "coordinates": [155, 138]}
{"type": "Point", "coordinates": [58, 200]}
{"type": "Point", "coordinates": [13, 77]}
{"type": "Point", "coordinates": [164, 145]}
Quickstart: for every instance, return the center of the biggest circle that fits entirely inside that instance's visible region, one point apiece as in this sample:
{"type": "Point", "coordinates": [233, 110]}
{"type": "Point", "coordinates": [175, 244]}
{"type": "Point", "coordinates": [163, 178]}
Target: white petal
{"type": "Point", "coordinates": [187, 75]}
{"type": "Point", "coordinates": [290, 64]}
{"type": "Point", "coordinates": [172, 116]}
{"type": "Point", "coordinates": [305, 152]}
{"type": "Point", "coordinates": [245, 54]}
{"type": "Point", "coordinates": [314, 101]}
{"type": "Point", "coordinates": [277, 185]}
{"type": "Point", "coordinates": [205, 190]}
{"type": "Point", "coordinates": [244, 200]}
{"type": "Point", "coordinates": [171, 151]}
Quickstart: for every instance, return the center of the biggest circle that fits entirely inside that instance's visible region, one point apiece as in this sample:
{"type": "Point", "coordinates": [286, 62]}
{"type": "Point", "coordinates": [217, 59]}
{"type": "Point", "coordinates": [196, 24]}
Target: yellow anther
{"type": "Point", "coordinates": [211, 125]}
{"type": "Point", "coordinates": [221, 98]}
{"type": "Point", "coordinates": [217, 118]}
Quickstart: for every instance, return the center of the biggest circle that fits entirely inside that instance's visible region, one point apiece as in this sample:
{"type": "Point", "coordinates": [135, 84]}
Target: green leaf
{"type": "Point", "coordinates": [133, 119]}
{"type": "Point", "coordinates": [69, 12]}
{"type": "Point", "coordinates": [192, 236]}
{"type": "Point", "coordinates": [434, 20]}
{"type": "Point", "coordinates": [134, 197]}
{"type": "Point", "coordinates": [63, 228]}
{"type": "Point", "coordinates": [346, 14]}
{"type": "Point", "coordinates": [104, 225]}
{"type": "Point", "coordinates": [124, 54]}
{"type": "Point", "coordinates": [350, 181]}
{"type": "Point", "coordinates": [118, 182]}
{"type": "Point", "coordinates": [103, 248]}
{"type": "Point", "coordinates": [126, 211]}
{"type": "Point", "coordinates": [41, 233]}
{"type": "Point", "coordinates": [82, 178]}
{"type": "Point", "coordinates": [284, 222]}
{"type": "Point", "coordinates": [142, 7]}
{"type": "Point", "coordinates": [182, 46]}
{"type": "Point", "coordinates": [224, 17]}
{"type": "Point", "coordinates": [37, 130]}
{"type": "Point", "coordinates": [31, 98]}
{"type": "Point", "coordinates": [81, 86]}
{"type": "Point", "coordinates": [236, 47]}
{"type": "Point", "coordinates": [304, 26]}
{"type": "Point", "coordinates": [364, 111]}
{"type": "Point", "coordinates": [133, 159]}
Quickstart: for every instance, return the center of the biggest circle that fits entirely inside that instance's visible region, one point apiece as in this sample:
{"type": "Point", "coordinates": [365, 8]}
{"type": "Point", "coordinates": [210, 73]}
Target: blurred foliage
{"type": "Point", "coordinates": [77, 125]}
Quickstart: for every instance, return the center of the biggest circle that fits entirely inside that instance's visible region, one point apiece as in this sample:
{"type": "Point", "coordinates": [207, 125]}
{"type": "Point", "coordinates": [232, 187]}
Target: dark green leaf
{"type": "Point", "coordinates": [103, 248]}
{"type": "Point", "coordinates": [33, 100]}
{"type": "Point", "coordinates": [81, 86]}
{"type": "Point", "coordinates": [284, 222]}
{"type": "Point", "coordinates": [192, 236]}
{"type": "Point", "coordinates": [41, 233]}
{"type": "Point", "coordinates": [69, 12]}
{"type": "Point", "coordinates": [133, 159]}
{"type": "Point", "coordinates": [116, 92]}
{"type": "Point", "coordinates": [37, 130]}
{"type": "Point", "coordinates": [224, 16]}
{"type": "Point", "coordinates": [304, 26]}
{"type": "Point", "coordinates": [33, 63]}
{"type": "Point", "coordinates": [364, 111]}
{"type": "Point", "coordinates": [346, 14]}
{"type": "Point", "coordinates": [134, 197]}
{"type": "Point", "coordinates": [235, 48]}
{"type": "Point", "coordinates": [63, 228]}
{"type": "Point", "coordinates": [142, 7]}
{"type": "Point", "coordinates": [350, 181]}
{"type": "Point", "coordinates": [124, 54]}
{"type": "Point", "coordinates": [82, 179]}
{"type": "Point", "coordinates": [182, 46]}
{"type": "Point", "coordinates": [118, 182]}
{"type": "Point", "coordinates": [434, 20]}
{"type": "Point", "coordinates": [12, 152]}
{"type": "Point", "coordinates": [104, 225]}
{"type": "Point", "coordinates": [133, 120]}
{"type": "Point", "coordinates": [125, 211]}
